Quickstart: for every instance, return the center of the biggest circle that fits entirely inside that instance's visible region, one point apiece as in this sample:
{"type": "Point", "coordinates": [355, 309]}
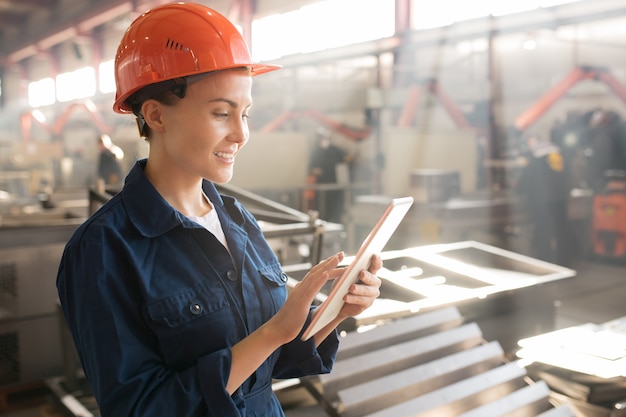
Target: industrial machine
{"type": "Point", "coordinates": [609, 218]}
{"type": "Point", "coordinates": [30, 248]}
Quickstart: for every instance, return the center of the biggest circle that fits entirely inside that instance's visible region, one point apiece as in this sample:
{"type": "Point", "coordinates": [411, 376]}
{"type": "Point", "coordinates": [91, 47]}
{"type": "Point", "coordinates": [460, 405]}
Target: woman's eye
{"type": "Point", "coordinates": [225, 115]}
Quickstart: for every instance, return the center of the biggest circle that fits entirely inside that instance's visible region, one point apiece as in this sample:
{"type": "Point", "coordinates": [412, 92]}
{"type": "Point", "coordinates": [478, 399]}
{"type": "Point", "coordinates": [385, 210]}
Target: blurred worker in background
{"type": "Point", "coordinates": [327, 159]}
{"type": "Point", "coordinates": [109, 168]}
{"type": "Point", "coordinates": [176, 302]}
{"type": "Point", "coordinates": [544, 187]}
{"type": "Point", "coordinates": [607, 147]}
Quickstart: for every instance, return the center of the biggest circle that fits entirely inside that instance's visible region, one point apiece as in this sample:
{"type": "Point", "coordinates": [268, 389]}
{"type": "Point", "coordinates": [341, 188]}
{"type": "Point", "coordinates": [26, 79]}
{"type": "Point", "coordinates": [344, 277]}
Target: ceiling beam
{"type": "Point", "coordinates": [32, 4]}
{"type": "Point", "coordinates": [13, 19]}
{"type": "Point", "coordinates": [84, 23]}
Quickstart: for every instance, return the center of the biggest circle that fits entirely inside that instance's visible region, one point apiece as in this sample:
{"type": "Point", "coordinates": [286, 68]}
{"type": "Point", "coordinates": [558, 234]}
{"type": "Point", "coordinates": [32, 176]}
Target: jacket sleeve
{"type": "Point", "coordinates": [301, 358]}
{"type": "Point", "coordinates": [119, 354]}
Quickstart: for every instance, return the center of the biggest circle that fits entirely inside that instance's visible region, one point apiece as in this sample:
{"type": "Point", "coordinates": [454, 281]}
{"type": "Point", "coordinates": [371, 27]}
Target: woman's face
{"type": "Point", "coordinates": [204, 132]}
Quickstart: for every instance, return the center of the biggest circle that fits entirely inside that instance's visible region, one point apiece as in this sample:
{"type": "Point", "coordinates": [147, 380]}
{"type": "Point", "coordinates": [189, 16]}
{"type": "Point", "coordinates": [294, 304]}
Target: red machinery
{"type": "Point", "coordinates": [609, 219]}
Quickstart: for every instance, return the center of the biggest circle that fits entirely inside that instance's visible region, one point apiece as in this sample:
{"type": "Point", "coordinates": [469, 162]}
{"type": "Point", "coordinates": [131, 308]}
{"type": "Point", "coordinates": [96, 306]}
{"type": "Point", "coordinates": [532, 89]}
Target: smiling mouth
{"type": "Point", "coordinates": [225, 155]}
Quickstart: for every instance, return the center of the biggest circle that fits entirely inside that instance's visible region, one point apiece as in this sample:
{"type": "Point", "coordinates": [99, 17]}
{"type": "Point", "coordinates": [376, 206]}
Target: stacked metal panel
{"type": "Point", "coordinates": [431, 364]}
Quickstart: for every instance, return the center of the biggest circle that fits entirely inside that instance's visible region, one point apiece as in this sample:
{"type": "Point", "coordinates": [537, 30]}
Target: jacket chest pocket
{"type": "Point", "coordinates": [191, 324]}
{"type": "Point", "coordinates": [276, 282]}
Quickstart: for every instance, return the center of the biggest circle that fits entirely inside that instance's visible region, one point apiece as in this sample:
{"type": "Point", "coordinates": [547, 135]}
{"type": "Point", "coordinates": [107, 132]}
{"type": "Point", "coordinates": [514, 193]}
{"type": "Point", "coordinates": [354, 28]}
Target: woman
{"type": "Point", "coordinates": [176, 302]}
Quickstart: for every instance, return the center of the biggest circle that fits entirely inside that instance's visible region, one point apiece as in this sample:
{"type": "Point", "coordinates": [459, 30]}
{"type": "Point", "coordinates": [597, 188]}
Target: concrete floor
{"type": "Point", "coordinates": [596, 294]}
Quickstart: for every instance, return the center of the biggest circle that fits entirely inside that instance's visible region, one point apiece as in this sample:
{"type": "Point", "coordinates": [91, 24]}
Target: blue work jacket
{"type": "Point", "coordinates": [155, 302]}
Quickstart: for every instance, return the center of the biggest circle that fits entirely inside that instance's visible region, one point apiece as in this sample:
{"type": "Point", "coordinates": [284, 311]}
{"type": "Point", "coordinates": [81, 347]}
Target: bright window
{"type": "Point", "coordinates": [80, 83]}
{"type": "Point", "coordinates": [107, 77]}
{"type": "Point", "coordinates": [41, 93]}
{"type": "Point", "coordinates": [322, 25]}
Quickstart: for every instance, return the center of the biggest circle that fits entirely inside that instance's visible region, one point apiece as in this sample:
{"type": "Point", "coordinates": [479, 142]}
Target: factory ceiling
{"type": "Point", "coordinates": [28, 27]}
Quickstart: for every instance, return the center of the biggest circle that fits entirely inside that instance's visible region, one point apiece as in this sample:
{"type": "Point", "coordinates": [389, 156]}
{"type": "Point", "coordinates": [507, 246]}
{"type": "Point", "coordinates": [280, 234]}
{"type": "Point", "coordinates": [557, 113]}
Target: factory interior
{"type": "Point", "coordinates": [482, 311]}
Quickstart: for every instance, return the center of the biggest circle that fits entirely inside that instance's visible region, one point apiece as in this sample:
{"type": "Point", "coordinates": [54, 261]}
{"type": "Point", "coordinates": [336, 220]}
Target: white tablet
{"type": "Point", "coordinates": [373, 243]}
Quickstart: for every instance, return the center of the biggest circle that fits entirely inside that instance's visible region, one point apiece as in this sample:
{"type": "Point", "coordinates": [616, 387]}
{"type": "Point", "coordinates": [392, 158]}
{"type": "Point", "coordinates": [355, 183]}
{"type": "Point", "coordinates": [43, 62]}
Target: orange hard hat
{"type": "Point", "coordinates": [174, 41]}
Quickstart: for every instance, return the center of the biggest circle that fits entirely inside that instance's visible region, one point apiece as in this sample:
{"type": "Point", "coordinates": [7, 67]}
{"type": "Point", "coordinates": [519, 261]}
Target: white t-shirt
{"type": "Point", "coordinates": [211, 222]}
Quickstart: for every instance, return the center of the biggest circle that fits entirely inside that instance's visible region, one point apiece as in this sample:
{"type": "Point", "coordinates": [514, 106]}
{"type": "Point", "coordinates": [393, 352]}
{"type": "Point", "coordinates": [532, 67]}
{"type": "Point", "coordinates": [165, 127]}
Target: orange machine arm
{"type": "Point", "coordinates": [408, 111]}
{"type": "Point", "coordinates": [614, 84]}
{"type": "Point", "coordinates": [576, 75]}
{"type": "Point", "coordinates": [349, 132]}
{"type": "Point", "coordinates": [453, 110]}
{"type": "Point", "coordinates": [27, 118]}
{"type": "Point", "coordinates": [412, 101]}
{"type": "Point", "coordinates": [91, 110]}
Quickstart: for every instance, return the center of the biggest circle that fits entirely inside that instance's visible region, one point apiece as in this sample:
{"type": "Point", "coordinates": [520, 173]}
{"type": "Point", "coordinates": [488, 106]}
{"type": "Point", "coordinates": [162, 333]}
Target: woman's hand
{"type": "Point", "coordinates": [360, 296]}
{"type": "Point", "coordinates": [290, 319]}
{"type": "Point", "coordinates": [249, 353]}
{"type": "Point", "coordinates": [363, 293]}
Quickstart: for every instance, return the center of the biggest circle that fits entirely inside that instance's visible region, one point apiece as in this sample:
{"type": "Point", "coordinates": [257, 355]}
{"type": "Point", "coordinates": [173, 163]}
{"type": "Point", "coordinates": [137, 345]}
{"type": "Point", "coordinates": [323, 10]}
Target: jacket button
{"type": "Point", "coordinates": [283, 277]}
{"type": "Point", "coordinates": [231, 275]}
{"type": "Point", "coordinates": [195, 309]}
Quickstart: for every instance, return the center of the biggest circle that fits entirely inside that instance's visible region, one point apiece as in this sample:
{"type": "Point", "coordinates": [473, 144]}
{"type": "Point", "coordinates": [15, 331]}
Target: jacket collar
{"type": "Point", "coordinates": [153, 216]}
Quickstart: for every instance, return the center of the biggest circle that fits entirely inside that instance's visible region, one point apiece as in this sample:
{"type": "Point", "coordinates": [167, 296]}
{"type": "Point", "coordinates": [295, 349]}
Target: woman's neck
{"type": "Point", "coordinates": [180, 190]}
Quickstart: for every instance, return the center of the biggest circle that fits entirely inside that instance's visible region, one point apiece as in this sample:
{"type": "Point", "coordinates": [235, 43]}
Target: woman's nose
{"type": "Point", "coordinates": [240, 132]}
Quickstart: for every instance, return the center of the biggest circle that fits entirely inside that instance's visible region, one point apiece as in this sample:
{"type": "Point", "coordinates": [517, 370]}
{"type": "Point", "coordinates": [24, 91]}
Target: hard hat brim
{"type": "Point", "coordinates": [121, 106]}
{"type": "Point", "coordinates": [258, 69]}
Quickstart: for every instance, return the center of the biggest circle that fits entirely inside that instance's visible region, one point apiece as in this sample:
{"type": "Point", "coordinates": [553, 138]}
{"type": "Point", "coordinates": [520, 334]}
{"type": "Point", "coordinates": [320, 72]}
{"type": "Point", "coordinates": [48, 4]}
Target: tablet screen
{"type": "Point", "coordinates": [373, 243]}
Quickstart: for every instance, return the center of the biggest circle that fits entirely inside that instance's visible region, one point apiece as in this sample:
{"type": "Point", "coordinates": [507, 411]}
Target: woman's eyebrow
{"type": "Point", "coordinates": [230, 102]}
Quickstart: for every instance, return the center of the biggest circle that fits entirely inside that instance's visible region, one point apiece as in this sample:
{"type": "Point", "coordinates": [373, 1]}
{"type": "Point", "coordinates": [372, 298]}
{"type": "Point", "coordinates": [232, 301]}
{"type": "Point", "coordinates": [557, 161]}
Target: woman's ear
{"type": "Point", "coordinates": [151, 110]}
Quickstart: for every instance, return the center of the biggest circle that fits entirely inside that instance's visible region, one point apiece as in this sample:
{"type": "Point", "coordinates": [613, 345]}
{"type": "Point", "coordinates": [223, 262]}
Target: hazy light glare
{"type": "Point", "coordinates": [503, 8]}
{"type": "Point", "coordinates": [106, 76]}
{"type": "Point", "coordinates": [549, 3]}
{"type": "Point", "coordinates": [80, 83]}
{"type": "Point", "coordinates": [322, 25]}
{"type": "Point", "coordinates": [529, 44]}
{"type": "Point", "coordinates": [41, 93]}
{"type": "Point", "coordinates": [475, 45]}
{"type": "Point", "coordinates": [39, 116]}
{"type": "Point", "coordinates": [446, 12]}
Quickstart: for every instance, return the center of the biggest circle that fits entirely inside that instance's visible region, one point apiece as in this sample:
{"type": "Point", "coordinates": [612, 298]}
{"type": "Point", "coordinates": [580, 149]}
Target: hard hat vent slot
{"type": "Point", "coordinates": [172, 44]}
